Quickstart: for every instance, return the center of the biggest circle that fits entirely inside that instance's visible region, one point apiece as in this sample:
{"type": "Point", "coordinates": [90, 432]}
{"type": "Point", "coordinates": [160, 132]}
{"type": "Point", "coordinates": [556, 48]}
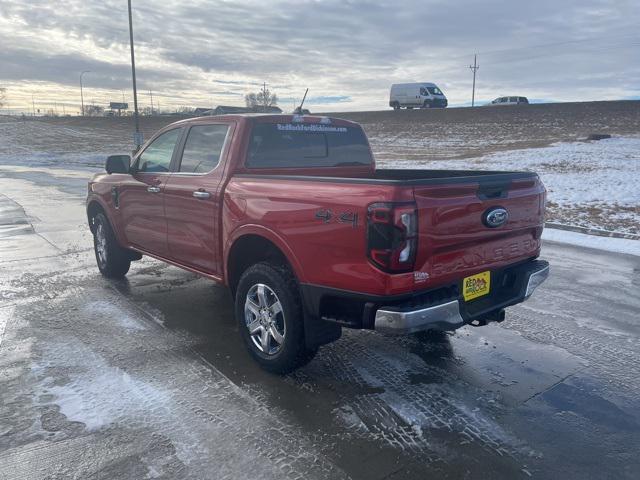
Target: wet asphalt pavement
{"type": "Point", "coordinates": [148, 378]}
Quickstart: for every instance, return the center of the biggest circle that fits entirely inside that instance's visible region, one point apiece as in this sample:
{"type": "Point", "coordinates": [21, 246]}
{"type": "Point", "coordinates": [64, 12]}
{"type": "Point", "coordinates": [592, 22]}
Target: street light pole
{"type": "Point", "coordinates": [81, 94]}
{"type": "Point", "coordinates": [137, 137]}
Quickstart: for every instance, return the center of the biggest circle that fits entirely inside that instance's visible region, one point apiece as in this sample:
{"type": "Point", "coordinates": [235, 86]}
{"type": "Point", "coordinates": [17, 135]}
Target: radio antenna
{"type": "Point", "coordinates": [299, 109]}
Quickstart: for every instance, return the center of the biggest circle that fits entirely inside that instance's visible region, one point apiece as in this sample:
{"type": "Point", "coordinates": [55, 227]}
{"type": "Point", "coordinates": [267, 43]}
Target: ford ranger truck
{"type": "Point", "coordinates": [292, 215]}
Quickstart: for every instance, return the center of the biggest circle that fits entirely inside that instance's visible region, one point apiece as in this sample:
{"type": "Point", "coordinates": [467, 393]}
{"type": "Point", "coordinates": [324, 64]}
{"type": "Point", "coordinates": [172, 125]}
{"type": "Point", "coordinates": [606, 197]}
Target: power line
{"type": "Point", "coordinates": [558, 44]}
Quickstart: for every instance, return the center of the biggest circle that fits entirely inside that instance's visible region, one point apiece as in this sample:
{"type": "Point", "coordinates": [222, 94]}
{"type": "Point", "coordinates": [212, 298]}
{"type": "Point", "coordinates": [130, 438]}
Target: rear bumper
{"type": "Point", "coordinates": [445, 316]}
{"type": "Point", "coordinates": [454, 314]}
{"type": "Point", "coordinates": [440, 308]}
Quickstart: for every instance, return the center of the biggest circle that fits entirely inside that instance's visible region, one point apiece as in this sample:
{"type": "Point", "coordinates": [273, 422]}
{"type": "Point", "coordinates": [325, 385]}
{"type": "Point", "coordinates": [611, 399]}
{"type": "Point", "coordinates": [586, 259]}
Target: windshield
{"type": "Point", "coordinates": [434, 90]}
{"type": "Point", "coordinates": [284, 145]}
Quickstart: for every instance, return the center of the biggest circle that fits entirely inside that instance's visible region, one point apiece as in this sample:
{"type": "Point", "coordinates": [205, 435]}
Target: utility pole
{"type": "Point", "coordinates": [264, 97]}
{"type": "Point", "coordinates": [81, 94]}
{"type": "Point", "coordinates": [474, 68]}
{"type": "Point", "coordinates": [151, 95]}
{"type": "Point", "coordinates": [137, 138]}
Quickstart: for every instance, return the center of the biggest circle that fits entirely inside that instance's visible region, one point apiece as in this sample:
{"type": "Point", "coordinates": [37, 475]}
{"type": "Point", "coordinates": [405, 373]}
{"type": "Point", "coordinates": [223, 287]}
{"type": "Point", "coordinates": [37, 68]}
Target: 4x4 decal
{"type": "Point", "coordinates": [344, 217]}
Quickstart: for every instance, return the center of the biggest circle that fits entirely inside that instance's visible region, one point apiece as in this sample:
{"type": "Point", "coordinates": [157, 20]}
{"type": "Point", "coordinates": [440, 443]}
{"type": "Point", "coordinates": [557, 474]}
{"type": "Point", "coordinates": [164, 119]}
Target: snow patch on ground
{"type": "Point", "coordinates": [615, 245]}
{"type": "Point", "coordinates": [116, 313]}
{"type": "Point", "coordinates": [5, 315]}
{"type": "Point", "coordinates": [99, 394]}
{"type": "Point", "coordinates": [60, 162]}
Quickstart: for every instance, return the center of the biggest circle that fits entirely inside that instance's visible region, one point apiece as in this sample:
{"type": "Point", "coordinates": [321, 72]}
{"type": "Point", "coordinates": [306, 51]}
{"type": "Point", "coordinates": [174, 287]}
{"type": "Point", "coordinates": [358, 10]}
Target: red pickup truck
{"type": "Point", "coordinates": [291, 214]}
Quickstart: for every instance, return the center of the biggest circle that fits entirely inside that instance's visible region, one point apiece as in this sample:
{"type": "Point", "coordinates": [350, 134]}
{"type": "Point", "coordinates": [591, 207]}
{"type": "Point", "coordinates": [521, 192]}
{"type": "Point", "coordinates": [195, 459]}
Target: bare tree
{"type": "Point", "coordinates": [93, 110]}
{"type": "Point", "coordinates": [261, 100]}
{"type": "Point", "coordinates": [3, 94]}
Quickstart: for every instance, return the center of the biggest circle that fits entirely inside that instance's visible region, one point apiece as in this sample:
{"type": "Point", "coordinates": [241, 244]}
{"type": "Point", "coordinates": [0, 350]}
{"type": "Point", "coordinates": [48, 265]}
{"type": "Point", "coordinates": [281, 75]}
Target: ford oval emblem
{"type": "Point", "coordinates": [495, 217]}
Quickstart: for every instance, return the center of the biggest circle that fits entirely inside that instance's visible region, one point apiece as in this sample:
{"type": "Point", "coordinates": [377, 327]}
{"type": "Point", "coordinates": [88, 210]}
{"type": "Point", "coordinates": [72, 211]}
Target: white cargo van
{"type": "Point", "coordinates": [416, 95]}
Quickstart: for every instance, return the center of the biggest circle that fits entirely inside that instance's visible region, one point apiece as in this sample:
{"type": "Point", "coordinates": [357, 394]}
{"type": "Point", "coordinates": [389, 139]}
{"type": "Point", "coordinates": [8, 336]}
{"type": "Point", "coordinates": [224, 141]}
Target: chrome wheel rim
{"type": "Point", "coordinates": [264, 319]}
{"type": "Point", "coordinates": [101, 244]}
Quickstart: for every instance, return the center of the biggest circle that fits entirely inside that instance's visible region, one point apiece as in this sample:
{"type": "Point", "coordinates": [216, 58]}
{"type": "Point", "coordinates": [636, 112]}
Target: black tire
{"type": "Point", "coordinates": [426, 104]}
{"type": "Point", "coordinates": [285, 320]}
{"type": "Point", "coordinates": [113, 260]}
{"type": "Point", "coordinates": [396, 106]}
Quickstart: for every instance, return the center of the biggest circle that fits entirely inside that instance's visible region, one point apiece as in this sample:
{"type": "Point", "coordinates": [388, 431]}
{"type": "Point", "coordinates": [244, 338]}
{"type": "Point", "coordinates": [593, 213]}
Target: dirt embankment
{"type": "Point", "coordinates": [406, 134]}
{"type": "Point", "coordinates": [466, 132]}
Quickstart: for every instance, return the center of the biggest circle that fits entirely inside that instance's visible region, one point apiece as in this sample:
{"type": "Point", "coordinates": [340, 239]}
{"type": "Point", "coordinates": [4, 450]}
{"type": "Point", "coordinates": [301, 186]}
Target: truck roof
{"type": "Point", "coordinates": [270, 117]}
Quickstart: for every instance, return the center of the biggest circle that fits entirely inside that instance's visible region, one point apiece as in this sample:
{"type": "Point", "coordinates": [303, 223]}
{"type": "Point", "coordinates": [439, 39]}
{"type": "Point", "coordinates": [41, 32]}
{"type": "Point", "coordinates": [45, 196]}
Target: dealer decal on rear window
{"type": "Point", "coordinates": [289, 127]}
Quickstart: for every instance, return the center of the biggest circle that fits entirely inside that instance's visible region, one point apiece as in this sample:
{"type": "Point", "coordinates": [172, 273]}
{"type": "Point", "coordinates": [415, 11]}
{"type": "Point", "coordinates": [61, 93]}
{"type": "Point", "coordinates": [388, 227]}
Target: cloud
{"type": "Point", "coordinates": [347, 52]}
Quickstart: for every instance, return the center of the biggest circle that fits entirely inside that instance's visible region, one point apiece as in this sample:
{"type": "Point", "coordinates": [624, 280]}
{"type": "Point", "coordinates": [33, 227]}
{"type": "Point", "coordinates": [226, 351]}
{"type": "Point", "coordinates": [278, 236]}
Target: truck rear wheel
{"type": "Point", "coordinates": [270, 318]}
{"type": "Point", "coordinates": [113, 260]}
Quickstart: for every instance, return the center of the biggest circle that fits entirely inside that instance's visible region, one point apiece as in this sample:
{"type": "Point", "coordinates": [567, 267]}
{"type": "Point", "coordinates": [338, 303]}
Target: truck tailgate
{"type": "Point", "coordinates": [454, 237]}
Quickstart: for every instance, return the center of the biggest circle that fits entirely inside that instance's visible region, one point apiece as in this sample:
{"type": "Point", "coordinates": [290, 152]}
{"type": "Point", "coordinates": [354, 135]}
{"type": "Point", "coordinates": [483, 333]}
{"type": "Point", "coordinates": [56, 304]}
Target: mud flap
{"type": "Point", "coordinates": [318, 332]}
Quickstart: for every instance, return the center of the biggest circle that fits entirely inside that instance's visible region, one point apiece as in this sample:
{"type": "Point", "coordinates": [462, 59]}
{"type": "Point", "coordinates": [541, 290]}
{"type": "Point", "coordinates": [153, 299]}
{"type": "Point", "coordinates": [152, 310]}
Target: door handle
{"type": "Point", "coordinates": [201, 195]}
{"type": "Point", "coordinates": [153, 189]}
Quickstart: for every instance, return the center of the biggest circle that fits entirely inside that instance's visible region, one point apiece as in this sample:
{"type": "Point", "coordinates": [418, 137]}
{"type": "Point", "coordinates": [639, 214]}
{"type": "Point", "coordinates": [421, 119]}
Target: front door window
{"type": "Point", "coordinates": [156, 157]}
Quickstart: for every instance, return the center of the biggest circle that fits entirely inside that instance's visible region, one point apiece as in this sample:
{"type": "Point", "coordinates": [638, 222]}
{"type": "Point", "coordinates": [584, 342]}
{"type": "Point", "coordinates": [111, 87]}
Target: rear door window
{"type": "Point", "coordinates": [513, 99]}
{"type": "Point", "coordinates": [203, 148]}
{"type": "Point", "coordinates": [285, 145]}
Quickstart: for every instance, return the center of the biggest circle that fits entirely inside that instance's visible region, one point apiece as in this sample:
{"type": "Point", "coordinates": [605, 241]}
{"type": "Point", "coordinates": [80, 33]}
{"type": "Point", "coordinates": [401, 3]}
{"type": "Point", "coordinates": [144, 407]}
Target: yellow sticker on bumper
{"type": "Point", "coordinates": [476, 285]}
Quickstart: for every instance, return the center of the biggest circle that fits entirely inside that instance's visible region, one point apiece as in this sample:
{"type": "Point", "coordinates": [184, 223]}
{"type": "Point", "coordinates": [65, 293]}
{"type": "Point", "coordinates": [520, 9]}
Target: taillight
{"type": "Point", "coordinates": [392, 236]}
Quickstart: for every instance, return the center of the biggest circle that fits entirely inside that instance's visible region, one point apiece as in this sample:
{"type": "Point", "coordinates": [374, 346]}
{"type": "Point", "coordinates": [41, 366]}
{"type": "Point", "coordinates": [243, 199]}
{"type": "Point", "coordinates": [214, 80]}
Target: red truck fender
{"type": "Point", "coordinates": [267, 234]}
{"type": "Point", "coordinates": [96, 205]}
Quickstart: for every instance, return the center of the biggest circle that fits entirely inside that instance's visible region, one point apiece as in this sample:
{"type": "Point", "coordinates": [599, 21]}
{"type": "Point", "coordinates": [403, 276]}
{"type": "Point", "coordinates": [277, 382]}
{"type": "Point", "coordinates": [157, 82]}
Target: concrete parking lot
{"type": "Point", "coordinates": [147, 377]}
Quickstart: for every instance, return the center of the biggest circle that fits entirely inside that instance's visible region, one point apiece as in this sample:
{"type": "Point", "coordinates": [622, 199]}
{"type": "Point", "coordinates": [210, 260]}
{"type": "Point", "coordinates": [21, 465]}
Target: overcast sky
{"type": "Point", "coordinates": [348, 52]}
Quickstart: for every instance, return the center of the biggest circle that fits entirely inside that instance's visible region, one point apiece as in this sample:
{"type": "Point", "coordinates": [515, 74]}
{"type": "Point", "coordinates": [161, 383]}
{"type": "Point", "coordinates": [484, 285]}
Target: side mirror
{"type": "Point", "coordinates": [118, 164]}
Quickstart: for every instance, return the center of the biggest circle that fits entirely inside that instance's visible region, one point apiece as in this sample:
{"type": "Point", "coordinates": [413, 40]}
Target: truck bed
{"type": "Point", "coordinates": [409, 177]}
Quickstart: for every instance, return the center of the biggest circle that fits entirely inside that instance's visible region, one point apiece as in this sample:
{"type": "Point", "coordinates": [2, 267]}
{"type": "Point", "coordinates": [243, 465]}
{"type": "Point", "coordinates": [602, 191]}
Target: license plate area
{"type": "Point", "coordinates": [477, 285]}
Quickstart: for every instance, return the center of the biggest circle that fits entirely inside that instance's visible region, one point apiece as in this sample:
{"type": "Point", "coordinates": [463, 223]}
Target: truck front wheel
{"type": "Point", "coordinates": [113, 260]}
{"type": "Point", "coordinates": [270, 317]}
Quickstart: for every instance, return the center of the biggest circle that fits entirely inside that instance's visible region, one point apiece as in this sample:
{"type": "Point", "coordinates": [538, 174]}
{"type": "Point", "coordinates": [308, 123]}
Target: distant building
{"type": "Point", "coordinates": [201, 112]}
{"type": "Point", "coordinates": [227, 109]}
{"type": "Point", "coordinates": [273, 109]}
